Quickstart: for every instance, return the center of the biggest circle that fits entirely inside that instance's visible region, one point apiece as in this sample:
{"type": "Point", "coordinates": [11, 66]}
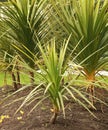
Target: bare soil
{"type": "Point", "coordinates": [77, 118]}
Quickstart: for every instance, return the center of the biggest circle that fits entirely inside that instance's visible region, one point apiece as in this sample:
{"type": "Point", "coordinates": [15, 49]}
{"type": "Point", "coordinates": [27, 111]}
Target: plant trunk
{"type": "Point", "coordinates": [54, 116]}
{"type": "Point", "coordinates": [91, 91]}
{"type": "Point", "coordinates": [31, 77]}
{"type": "Point", "coordinates": [18, 77]}
{"type": "Point", "coordinates": [62, 81]}
{"type": "Point", "coordinates": [14, 81]}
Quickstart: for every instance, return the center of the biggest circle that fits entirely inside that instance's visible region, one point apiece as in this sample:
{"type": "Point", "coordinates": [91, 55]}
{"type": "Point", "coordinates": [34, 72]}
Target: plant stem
{"type": "Point", "coordinates": [91, 79]}
{"type": "Point", "coordinates": [91, 93]}
{"type": "Point", "coordinates": [14, 81]}
{"type": "Point", "coordinates": [18, 77]}
{"type": "Point", "coordinates": [53, 118]}
{"type": "Point", "coordinates": [55, 114]}
{"type": "Point", "coordinates": [31, 77]}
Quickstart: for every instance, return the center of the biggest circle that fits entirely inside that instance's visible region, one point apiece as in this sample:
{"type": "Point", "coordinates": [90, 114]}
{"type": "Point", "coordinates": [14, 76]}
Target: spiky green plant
{"type": "Point", "coordinates": [52, 67]}
{"type": "Point", "coordinates": [87, 21]}
{"type": "Point", "coordinates": [26, 21]}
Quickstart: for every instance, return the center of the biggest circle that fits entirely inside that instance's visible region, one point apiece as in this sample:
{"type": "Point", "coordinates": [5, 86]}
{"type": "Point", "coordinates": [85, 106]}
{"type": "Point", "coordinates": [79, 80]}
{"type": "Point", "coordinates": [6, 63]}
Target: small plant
{"type": "Point", "coordinates": [52, 66]}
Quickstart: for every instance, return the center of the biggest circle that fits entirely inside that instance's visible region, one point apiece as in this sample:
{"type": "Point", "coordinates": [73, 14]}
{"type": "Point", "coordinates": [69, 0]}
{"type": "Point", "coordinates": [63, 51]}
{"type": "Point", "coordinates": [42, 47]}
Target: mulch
{"type": "Point", "coordinates": [77, 118]}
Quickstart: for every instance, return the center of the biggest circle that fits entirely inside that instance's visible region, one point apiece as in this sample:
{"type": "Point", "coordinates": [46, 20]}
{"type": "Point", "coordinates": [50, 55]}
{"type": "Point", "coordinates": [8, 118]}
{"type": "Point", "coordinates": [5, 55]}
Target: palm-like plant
{"type": "Point", "coordinates": [53, 65]}
{"type": "Point", "coordinates": [87, 21]}
{"type": "Point", "coordinates": [25, 20]}
{"type": "Point", "coordinates": [53, 70]}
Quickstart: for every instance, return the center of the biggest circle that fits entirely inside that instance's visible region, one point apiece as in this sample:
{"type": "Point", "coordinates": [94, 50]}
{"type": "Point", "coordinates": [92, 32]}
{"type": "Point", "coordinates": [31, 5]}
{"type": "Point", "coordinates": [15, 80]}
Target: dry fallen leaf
{"type": "Point", "coordinates": [19, 118]}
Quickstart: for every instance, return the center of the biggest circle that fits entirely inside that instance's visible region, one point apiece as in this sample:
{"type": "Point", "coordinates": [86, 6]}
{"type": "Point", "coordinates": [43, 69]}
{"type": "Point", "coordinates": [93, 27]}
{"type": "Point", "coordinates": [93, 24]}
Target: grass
{"type": "Point", "coordinates": [9, 81]}
{"type": "Point", "coordinates": [25, 79]}
{"type": "Point", "coordinates": [81, 82]}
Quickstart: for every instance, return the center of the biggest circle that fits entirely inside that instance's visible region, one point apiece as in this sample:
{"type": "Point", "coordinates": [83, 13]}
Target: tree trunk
{"type": "Point", "coordinates": [62, 81]}
{"type": "Point", "coordinates": [54, 116]}
{"type": "Point", "coordinates": [18, 77]}
{"type": "Point", "coordinates": [14, 81]}
{"type": "Point", "coordinates": [31, 77]}
{"type": "Point", "coordinates": [91, 91]}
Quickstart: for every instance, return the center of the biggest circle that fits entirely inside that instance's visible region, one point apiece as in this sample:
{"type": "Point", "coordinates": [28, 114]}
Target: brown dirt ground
{"type": "Point", "coordinates": [77, 118]}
